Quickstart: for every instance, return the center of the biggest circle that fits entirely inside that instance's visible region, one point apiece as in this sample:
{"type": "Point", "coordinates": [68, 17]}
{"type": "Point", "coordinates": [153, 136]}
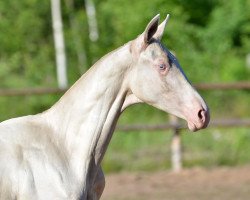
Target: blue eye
{"type": "Point", "coordinates": [162, 66]}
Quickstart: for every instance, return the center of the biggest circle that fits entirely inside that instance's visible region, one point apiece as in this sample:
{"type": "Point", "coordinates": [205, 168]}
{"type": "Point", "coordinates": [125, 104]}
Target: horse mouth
{"type": "Point", "coordinates": [192, 127]}
{"type": "Point", "coordinates": [195, 126]}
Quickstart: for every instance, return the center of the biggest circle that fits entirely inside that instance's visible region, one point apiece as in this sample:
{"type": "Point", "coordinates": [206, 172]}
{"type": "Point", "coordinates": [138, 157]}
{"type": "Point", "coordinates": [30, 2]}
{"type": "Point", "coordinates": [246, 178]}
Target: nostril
{"type": "Point", "coordinates": [201, 114]}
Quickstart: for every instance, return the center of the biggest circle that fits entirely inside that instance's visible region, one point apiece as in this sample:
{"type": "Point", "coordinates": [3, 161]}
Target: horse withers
{"type": "Point", "coordinates": [56, 154]}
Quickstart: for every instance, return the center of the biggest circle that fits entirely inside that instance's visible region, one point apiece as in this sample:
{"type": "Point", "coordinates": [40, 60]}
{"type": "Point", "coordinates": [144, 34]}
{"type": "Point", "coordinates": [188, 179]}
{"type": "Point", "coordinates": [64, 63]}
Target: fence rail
{"type": "Point", "coordinates": [224, 123]}
{"type": "Point", "coordinates": [201, 86]}
{"type": "Point", "coordinates": [30, 91]}
{"type": "Point", "coordinates": [244, 85]}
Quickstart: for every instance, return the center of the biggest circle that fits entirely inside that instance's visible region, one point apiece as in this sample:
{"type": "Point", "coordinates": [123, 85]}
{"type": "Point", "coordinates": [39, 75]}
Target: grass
{"type": "Point", "coordinates": [136, 151]}
{"type": "Point", "coordinates": [148, 151]}
{"type": "Point", "coordinates": [217, 147]}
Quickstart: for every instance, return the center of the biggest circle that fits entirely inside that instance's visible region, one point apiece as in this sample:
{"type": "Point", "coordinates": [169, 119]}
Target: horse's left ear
{"type": "Point", "coordinates": [151, 29]}
{"type": "Point", "coordinates": [160, 31]}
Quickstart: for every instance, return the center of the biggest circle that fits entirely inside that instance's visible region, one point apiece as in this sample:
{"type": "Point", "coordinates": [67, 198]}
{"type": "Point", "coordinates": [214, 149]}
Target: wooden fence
{"type": "Point", "coordinates": [174, 124]}
{"type": "Point", "coordinates": [201, 86]}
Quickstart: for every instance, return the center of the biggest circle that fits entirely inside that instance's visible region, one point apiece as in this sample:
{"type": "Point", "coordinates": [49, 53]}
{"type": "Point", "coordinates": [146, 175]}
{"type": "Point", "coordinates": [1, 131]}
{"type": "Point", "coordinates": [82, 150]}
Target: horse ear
{"type": "Point", "coordinates": [159, 33]}
{"type": "Point", "coordinates": [151, 29]}
{"type": "Point", "coordinates": [142, 41]}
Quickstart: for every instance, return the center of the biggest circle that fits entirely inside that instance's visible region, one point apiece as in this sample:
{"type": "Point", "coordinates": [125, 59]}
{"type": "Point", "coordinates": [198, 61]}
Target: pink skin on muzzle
{"type": "Point", "coordinates": [199, 119]}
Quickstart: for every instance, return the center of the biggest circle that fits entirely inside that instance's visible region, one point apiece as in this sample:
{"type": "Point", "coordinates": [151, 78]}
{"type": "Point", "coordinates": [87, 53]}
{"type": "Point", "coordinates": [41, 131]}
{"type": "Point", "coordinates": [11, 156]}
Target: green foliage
{"type": "Point", "coordinates": [26, 57]}
{"type": "Point", "coordinates": [209, 37]}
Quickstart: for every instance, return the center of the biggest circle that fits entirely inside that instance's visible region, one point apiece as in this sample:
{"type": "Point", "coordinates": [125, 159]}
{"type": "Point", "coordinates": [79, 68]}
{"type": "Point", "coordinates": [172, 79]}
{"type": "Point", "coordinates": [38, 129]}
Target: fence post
{"type": "Point", "coordinates": [176, 156]}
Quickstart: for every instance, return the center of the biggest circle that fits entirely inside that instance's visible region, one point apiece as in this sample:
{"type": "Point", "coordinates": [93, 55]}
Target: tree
{"type": "Point", "coordinates": [59, 44]}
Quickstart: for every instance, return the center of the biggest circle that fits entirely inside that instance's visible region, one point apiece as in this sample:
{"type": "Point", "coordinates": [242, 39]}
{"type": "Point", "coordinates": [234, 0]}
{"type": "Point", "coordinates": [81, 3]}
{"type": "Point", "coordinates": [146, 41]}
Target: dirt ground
{"type": "Point", "coordinates": [192, 184]}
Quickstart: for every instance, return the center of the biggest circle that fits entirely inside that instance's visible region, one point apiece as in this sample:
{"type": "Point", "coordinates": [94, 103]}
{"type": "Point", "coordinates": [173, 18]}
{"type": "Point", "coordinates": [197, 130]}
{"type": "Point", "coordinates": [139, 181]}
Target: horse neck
{"type": "Point", "coordinates": [85, 117]}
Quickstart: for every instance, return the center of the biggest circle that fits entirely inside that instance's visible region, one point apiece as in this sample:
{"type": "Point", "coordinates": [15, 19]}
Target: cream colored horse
{"type": "Point", "coordinates": [57, 154]}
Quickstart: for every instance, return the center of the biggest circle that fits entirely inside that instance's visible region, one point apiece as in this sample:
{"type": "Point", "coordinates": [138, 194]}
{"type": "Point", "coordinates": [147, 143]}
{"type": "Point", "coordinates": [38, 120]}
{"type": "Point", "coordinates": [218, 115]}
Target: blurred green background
{"type": "Point", "coordinates": [211, 38]}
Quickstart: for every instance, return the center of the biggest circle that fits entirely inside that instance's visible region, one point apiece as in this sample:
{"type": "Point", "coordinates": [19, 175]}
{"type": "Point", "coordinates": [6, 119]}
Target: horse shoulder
{"type": "Point", "coordinates": [32, 162]}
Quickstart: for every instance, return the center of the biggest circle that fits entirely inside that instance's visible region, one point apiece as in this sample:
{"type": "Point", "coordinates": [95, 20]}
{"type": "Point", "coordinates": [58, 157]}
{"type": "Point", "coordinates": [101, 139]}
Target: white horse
{"type": "Point", "coordinates": [57, 154]}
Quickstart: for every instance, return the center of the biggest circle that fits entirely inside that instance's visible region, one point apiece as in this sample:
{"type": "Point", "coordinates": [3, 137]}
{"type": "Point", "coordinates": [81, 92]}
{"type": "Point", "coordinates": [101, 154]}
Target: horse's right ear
{"type": "Point", "coordinates": [159, 33]}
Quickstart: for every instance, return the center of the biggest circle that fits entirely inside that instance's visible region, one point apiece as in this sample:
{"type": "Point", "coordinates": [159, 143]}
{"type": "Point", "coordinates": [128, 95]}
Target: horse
{"type": "Point", "coordinates": [56, 154]}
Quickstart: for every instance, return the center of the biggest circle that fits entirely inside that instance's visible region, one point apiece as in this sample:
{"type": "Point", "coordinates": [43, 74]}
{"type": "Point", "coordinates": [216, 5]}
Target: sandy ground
{"type": "Point", "coordinates": [192, 184]}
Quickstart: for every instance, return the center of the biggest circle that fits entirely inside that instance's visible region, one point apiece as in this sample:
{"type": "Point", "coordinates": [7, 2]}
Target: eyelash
{"type": "Point", "coordinates": [170, 61]}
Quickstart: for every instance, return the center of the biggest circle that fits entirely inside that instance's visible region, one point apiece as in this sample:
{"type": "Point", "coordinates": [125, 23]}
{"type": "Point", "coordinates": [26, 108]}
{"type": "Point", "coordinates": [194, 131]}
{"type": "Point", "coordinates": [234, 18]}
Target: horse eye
{"type": "Point", "coordinates": [162, 66]}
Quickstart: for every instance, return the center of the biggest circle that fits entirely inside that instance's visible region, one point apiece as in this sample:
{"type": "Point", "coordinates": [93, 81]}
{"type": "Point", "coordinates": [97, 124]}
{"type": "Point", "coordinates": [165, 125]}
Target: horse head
{"type": "Point", "coordinates": [157, 78]}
